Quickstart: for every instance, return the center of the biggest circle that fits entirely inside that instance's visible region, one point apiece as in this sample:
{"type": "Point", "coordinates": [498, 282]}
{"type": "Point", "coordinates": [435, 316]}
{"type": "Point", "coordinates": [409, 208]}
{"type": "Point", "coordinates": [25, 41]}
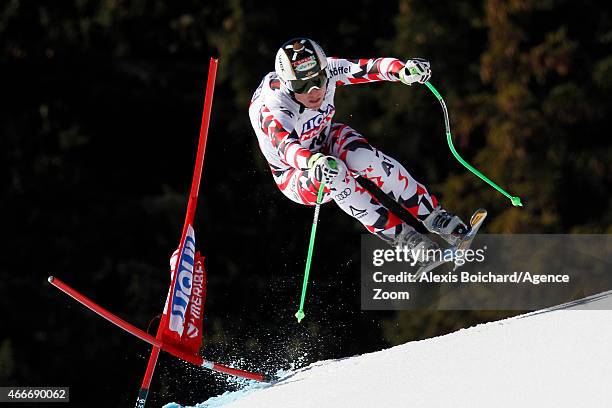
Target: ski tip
{"type": "Point", "coordinates": [478, 216]}
{"type": "Point", "coordinates": [299, 315]}
{"type": "Point", "coordinates": [50, 279]}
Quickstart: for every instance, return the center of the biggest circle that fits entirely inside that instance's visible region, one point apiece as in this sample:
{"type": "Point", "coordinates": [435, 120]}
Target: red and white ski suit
{"type": "Point", "coordinates": [289, 133]}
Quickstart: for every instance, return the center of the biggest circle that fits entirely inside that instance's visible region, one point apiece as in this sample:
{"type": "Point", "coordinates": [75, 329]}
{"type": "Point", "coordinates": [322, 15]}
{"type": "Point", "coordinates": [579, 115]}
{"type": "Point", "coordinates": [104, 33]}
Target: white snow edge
{"type": "Point", "coordinates": [555, 357]}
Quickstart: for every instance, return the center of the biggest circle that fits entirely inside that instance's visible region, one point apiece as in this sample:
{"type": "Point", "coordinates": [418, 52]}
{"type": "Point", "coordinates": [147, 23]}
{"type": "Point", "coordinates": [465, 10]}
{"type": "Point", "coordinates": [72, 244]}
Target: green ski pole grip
{"type": "Point", "coordinates": [516, 201]}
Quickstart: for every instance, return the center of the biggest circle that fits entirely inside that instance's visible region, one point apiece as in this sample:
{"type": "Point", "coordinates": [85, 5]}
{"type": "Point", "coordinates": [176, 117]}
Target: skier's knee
{"type": "Point", "coordinates": [361, 158]}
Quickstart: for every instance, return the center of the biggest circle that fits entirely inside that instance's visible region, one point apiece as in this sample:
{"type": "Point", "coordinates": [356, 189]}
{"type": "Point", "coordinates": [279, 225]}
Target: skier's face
{"type": "Point", "coordinates": [313, 99]}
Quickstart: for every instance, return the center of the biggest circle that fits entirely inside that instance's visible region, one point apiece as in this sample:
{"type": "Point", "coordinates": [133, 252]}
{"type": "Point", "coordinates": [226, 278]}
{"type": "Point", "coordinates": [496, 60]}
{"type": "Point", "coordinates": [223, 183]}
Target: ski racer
{"type": "Point", "coordinates": [292, 114]}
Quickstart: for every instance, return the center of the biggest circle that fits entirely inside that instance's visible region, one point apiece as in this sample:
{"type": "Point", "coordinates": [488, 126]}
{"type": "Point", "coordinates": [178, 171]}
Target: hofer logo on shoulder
{"type": "Point", "coordinates": [339, 70]}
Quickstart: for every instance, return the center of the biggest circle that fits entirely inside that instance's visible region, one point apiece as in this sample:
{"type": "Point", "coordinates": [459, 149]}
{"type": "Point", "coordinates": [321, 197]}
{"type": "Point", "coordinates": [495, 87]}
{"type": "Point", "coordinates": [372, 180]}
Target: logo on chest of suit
{"type": "Point", "coordinates": [314, 125]}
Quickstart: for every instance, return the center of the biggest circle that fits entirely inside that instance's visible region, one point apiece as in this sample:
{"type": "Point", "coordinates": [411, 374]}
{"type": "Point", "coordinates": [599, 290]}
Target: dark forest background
{"type": "Point", "coordinates": [101, 107]}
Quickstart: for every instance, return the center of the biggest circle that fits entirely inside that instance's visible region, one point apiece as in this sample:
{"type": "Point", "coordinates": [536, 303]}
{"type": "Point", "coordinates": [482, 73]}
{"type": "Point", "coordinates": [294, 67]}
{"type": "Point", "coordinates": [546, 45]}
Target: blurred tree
{"type": "Point", "coordinates": [7, 364]}
{"type": "Point", "coordinates": [525, 89]}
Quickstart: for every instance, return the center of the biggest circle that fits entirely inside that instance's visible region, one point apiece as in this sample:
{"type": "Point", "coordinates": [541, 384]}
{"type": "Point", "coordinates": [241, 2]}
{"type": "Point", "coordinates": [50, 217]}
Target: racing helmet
{"type": "Point", "coordinates": [301, 65]}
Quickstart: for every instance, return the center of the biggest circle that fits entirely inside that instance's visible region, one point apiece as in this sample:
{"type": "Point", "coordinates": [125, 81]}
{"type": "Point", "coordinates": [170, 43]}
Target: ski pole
{"type": "Point", "coordinates": [516, 201]}
{"type": "Point", "coordinates": [300, 313]}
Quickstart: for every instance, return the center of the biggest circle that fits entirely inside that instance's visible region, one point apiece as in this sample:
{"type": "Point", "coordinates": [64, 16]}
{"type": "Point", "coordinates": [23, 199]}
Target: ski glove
{"type": "Point", "coordinates": [313, 159]}
{"type": "Point", "coordinates": [415, 70]}
{"type": "Point", "coordinates": [324, 167]}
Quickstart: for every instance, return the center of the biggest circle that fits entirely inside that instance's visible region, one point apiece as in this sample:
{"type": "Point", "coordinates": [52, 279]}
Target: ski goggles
{"type": "Point", "coordinates": [302, 86]}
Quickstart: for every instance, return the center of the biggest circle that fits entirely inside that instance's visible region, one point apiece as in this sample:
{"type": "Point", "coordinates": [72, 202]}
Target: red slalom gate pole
{"type": "Point", "coordinates": [157, 341]}
{"type": "Point", "coordinates": [144, 336]}
{"type": "Point", "coordinates": [191, 207]}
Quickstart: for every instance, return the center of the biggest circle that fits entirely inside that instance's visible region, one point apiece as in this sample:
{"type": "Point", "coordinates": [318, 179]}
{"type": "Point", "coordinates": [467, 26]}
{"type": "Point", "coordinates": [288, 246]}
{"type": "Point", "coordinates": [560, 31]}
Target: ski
{"type": "Point", "coordinates": [387, 201]}
{"type": "Point", "coordinates": [476, 221]}
{"type": "Point", "coordinates": [433, 265]}
{"type": "Point", "coordinates": [392, 205]}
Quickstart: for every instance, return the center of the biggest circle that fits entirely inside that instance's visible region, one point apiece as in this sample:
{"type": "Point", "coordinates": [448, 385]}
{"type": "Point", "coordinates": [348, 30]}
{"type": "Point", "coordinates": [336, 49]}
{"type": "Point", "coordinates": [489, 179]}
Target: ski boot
{"type": "Point", "coordinates": [417, 244]}
{"type": "Point", "coordinates": [447, 225]}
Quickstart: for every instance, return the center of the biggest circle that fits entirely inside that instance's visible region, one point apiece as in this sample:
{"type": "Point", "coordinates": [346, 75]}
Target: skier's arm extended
{"type": "Point", "coordinates": [278, 128]}
{"type": "Point", "coordinates": [359, 71]}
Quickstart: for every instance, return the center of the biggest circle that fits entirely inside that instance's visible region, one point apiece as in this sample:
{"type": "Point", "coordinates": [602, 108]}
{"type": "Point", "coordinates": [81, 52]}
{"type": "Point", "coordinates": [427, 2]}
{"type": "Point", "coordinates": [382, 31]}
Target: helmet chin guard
{"type": "Point", "coordinates": [298, 60]}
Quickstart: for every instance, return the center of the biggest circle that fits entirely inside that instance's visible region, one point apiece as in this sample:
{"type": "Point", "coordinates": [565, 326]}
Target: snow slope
{"type": "Point", "coordinates": [558, 357]}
